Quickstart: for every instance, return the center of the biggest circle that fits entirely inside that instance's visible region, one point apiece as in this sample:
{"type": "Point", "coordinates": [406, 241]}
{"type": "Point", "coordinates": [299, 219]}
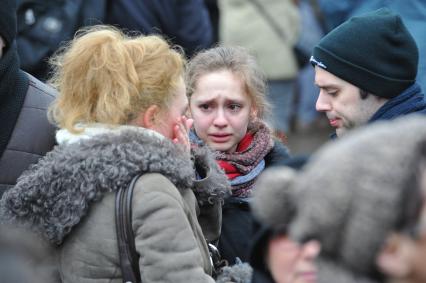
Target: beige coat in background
{"type": "Point", "coordinates": [242, 24]}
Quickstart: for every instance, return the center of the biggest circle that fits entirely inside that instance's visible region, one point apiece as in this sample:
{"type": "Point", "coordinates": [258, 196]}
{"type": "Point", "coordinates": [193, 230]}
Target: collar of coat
{"type": "Point", "coordinates": [56, 193]}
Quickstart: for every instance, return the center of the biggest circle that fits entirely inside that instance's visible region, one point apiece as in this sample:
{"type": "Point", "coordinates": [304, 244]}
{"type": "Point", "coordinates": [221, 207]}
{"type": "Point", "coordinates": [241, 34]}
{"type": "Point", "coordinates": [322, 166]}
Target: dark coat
{"type": "Point", "coordinates": [32, 137]}
{"type": "Point", "coordinates": [408, 102]}
{"type": "Point", "coordinates": [238, 225]}
{"type": "Point", "coordinates": [184, 22]}
{"type": "Point", "coordinates": [43, 25]}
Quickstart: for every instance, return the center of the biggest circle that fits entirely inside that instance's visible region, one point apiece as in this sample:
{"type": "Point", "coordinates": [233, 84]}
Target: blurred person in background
{"type": "Point", "coordinates": [274, 256]}
{"type": "Point", "coordinates": [269, 29]}
{"type": "Point", "coordinates": [403, 255]}
{"type": "Point", "coordinates": [214, 13]}
{"type": "Point", "coordinates": [45, 25]}
{"type": "Point", "coordinates": [25, 132]}
{"type": "Point", "coordinates": [362, 198]}
{"type": "Point", "coordinates": [184, 22]}
{"type": "Point", "coordinates": [305, 117]}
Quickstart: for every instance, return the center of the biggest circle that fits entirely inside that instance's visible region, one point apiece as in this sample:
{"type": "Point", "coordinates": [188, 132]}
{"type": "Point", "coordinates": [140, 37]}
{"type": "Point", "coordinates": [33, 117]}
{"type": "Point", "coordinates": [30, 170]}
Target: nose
{"type": "Point", "coordinates": [311, 249]}
{"type": "Point", "coordinates": [323, 102]}
{"type": "Point", "coordinates": [220, 120]}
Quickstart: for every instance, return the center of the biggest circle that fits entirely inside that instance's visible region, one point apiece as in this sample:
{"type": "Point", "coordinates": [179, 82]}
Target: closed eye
{"type": "Point", "coordinates": [333, 93]}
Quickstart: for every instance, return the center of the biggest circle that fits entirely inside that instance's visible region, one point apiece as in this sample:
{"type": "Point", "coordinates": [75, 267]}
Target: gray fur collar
{"type": "Point", "coordinates": [55, 194]}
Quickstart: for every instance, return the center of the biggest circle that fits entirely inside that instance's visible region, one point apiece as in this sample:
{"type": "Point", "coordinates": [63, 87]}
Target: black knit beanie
{"type": "Point", "coordinates": [8, 21]}
{"type": "Point", "coordinates": [373, 51]}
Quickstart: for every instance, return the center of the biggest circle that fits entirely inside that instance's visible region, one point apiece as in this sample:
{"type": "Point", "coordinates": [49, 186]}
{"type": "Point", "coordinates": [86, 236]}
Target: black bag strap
{"type": "Point", "coordinates": [129, 258]}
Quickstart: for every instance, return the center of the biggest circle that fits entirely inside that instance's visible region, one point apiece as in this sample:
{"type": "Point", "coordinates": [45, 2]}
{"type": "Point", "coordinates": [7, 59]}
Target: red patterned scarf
{"type": "Point", "coordinates": [251, 150]}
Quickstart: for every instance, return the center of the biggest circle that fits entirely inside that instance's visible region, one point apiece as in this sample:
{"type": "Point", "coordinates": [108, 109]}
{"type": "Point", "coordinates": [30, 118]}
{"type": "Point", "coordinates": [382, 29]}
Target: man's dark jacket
{"type": "Point", "coordinates": [25, 133]}
{"type": "Point", "coordinates": [408, 102]}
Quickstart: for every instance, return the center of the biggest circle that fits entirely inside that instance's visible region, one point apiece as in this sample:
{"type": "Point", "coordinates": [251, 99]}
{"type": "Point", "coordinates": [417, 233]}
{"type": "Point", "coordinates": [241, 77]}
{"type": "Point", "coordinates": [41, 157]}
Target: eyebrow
{"type": "Point", "coordinates": [208, 101]}
{"type": "Point", "coordinates": [327, 86]}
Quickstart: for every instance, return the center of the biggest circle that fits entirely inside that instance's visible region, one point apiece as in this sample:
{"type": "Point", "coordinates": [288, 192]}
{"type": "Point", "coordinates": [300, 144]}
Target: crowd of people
{"type": "Point", "coordinates": [179, 132]}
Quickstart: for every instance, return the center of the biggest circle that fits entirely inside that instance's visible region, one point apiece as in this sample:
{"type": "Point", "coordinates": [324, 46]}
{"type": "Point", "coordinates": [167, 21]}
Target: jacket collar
{"type": "Point", "coordinates": [87, 131]}
{"type": "Point", "coordinates": [56, 193]}
{"type": "Point", "coordinates": [409, 101]}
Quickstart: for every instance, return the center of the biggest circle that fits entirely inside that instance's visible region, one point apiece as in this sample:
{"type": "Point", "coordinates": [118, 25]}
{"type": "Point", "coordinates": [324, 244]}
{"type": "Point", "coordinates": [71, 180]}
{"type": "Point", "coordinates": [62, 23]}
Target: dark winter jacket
{"type": "Point", "coordinates": [184, 22]}
{"type": "Point", "coordinates": [45, 25]}
{"type": "Point", "coordinates": [69, 198]}
{"type": "Point", "coordinates": [238, 225]}
{"type": "Point", "coordinates": [408, 102]}
{"type": "Point", "coordinates": [32, 135]}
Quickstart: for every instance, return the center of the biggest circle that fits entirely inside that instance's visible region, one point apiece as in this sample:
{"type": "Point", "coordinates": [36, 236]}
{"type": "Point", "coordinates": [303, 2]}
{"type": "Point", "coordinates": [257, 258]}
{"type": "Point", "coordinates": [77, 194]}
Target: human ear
{"type": "Point", "coordinates": [392, 258]}
{"type": "Point", "coordinates": [149, 117]}
{"type": "Point", "coordinates": [253, 114]}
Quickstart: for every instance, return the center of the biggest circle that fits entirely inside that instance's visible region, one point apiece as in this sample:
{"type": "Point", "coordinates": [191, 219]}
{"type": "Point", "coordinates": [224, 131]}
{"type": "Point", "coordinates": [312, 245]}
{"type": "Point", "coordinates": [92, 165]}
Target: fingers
{"type": "Point", "coordinates": [181, 130]}
{"type": "Point", "coordinates": [189, 123]}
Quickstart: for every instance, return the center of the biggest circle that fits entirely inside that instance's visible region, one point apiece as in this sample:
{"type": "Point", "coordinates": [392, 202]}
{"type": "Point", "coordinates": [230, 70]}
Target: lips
{"type": "Point", "coordinates": [309, 276]}
{"type": "Point", "coordinates": [220, 138]}
{"type": "Point", "coordinates": [334, 122]}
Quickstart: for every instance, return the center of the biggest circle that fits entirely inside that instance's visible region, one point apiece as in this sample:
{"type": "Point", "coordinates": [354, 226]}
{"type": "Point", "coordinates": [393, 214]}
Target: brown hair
{"type": "Point", "coordinates": [239, 62]}
{"type": "Point", "coordinates": [105, 76]}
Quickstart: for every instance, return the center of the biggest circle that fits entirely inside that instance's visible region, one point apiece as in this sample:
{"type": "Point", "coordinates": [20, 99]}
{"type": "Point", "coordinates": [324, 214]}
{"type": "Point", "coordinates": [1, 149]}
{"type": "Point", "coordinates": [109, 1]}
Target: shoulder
{"type": "Point", "coordinates": [278, 155]}
{"type": "Point", "coordinates": [40, 93]}
{"type": "Point", "coordinates": [154, 191]}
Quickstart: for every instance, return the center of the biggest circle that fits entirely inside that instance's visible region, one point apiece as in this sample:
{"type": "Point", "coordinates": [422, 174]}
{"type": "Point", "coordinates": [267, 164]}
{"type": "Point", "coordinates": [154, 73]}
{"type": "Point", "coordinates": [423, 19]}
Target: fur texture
{"type": "Point", "coordinates": [354, 191]}
{"type": "Point", "coordinates": [215, 190]}
{"type": "Point", "coordinates": [273, 197]}
{"type": "Point", "coordinates": [238, 273]}
{"type": "Point", "coordinates": [55, 194]}
{"type": "Point", "coordinates": [351, 195]}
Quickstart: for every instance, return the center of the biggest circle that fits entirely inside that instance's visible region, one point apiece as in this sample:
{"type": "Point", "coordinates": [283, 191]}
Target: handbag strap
{"type": "Point", "coordinates": [129, 258]}
{"type": "Point", "coordinates": [269, 19]}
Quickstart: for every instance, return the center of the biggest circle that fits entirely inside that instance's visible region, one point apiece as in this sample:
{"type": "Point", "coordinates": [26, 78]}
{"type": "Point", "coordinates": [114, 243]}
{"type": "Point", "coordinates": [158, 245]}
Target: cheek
{"type": "Point", "coordinates": [283, 255]}
{"type": "Point", "coordinates": [166, 127]}
{"type": "Point", "coordinates": [201, 122]}
{"type": "Point", "coordinates": [240, 125]}
{"type": "Point", "coordinates": [418, 260]}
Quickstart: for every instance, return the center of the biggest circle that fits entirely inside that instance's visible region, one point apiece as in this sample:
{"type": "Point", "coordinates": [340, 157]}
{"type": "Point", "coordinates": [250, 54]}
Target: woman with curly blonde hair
{"type": "Point", "coordinates": [121, 113]}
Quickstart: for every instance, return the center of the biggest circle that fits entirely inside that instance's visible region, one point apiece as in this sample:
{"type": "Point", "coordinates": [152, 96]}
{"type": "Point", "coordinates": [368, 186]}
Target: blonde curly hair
{"type": "Point", "coordinates": [105, 76]}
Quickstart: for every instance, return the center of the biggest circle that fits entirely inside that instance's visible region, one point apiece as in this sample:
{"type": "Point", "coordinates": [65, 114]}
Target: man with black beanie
{"type": "Point", "coordinates": [25, 133]}
{"type": "Point", "coordinates": [366, 69]}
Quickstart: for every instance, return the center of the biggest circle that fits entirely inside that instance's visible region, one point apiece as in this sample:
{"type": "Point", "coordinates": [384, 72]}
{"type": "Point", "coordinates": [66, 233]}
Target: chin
{"type": "Point", "coordinates": [341, 132]}
{"type": "Point", "coordinates": [220, 147]}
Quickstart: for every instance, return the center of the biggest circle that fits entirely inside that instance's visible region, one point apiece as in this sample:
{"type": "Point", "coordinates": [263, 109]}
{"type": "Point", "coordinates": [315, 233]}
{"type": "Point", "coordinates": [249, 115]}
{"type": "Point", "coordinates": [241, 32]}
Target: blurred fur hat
{"type": "Point", "coordinates": [350, 196]}
{"type": "Point", "coordinates": [273, 198]}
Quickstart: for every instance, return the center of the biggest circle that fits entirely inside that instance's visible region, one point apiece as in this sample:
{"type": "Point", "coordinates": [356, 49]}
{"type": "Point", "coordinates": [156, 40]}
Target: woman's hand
{"type": "Point", "coordinates": [181, 132]}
